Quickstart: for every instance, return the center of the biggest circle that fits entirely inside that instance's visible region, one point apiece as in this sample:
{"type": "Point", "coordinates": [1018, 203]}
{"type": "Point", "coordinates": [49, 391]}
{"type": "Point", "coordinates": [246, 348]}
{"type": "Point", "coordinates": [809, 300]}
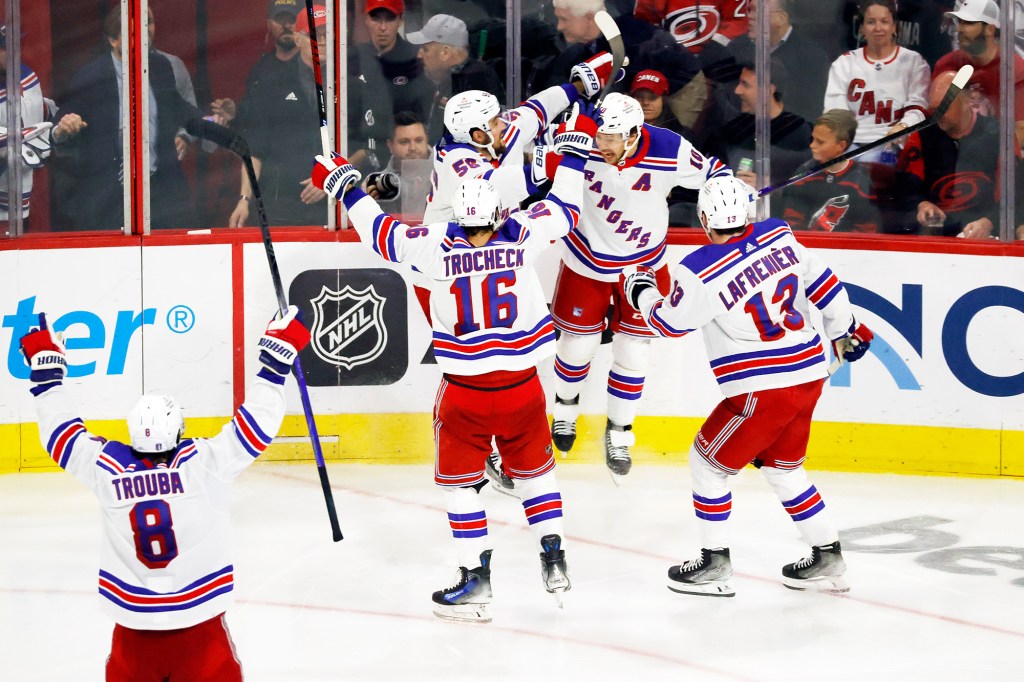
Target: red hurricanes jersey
{"type": "Point", "coordinates": [693, 23]}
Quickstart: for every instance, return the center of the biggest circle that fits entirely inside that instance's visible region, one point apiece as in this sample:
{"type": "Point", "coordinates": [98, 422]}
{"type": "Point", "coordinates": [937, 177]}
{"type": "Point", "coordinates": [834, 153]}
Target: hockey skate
{"type": "Point", "coordinates": [822, 571]}
{"type": "Point", "coordinates": [499, 480]}
{"type": "Point", "coordinates": [617, 440]}
{"type": "Point", "coordinates": [468, 598]}
{"type": "Point", "coordinates": [553, 568]}
{"type": "Point", "coordinates": [708, 575]}
{"type": "Point", "coordinates": [563, 424]}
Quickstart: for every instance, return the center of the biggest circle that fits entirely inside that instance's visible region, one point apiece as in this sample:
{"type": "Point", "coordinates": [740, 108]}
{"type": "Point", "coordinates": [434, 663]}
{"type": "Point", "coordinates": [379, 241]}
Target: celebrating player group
{"type": "Point", "coordinates": [607, 175]}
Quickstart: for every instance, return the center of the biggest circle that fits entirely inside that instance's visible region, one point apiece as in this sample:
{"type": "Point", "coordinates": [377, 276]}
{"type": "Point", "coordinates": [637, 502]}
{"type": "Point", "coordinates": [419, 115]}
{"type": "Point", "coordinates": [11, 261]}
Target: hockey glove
{"type": "Point", "coordinates": [595, 73]}
{"type": "Point", "coordinates": [576, 135]}
{"type": "Point", "coordinates": [44, 351]}
{"type": "Point", "coordinates": [854, 344]}
{"type": "Point", "coordinates": [637, 281]}
{"type": "Point", "coordinates": [281, 343]}
{"type": "Point", "coordinates": [334, 175]}
{"type": "Point", "coordinates": [545, 163]}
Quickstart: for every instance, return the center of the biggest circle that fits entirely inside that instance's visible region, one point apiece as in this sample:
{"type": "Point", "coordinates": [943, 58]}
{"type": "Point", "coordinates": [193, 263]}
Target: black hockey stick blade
{"type": "Point", "coordinates": [219, 135]}
{"type": "Point", "coordinates": [610, 31]}
{"type": "Point", "coordinates": [955, 88]}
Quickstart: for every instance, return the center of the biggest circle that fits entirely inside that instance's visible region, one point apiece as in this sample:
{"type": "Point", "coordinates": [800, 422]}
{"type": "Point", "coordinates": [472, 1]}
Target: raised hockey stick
{"type": "Point", "coordinates": [318, 78]}
{"type": "Point", "coordinates": [236, 144]}
{"type": "Point", "coordinates": [959, 81]}
{"type": "Point", "coordinates": [610, 31]}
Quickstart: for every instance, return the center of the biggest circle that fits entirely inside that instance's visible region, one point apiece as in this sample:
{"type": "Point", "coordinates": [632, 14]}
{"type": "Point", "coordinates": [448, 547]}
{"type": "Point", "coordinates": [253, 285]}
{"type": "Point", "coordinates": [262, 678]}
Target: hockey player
{"type": "Point", "coordinates": [749, 292]}
{"type": "Point", "coordinates": [624, 222]}
{"type": "Point", "coordinates": [165, 572]}
{"type": "Point", "coordinates": [480, 142]}
{"type": "Point", "coordinates": [491, 327]}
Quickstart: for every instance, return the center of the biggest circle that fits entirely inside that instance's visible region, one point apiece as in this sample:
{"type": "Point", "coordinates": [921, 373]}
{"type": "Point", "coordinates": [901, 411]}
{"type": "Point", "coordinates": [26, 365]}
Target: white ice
{"type": "Point", "coordinates": [310, 609]}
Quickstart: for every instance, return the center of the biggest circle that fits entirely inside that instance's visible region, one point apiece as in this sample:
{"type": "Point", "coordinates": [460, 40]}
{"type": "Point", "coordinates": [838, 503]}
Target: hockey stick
{"type": "Point", "coordinates": [236, 144]}
{"type": "Point", "coordinates": [318, 77]}
{"type": "Point", "coordinates": [610, 31]}
{"type": "Point", "coordinates": [959, 81]}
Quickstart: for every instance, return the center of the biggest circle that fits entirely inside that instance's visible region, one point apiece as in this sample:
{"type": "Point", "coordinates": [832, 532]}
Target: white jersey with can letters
{"type": "Point", "coordinates": [164, 562]}
{"type": "Point", "coordinates": [752, 296]}
{"type": "Point", "coordinates": [624, 217]}
{"type": "Point", "coordinates": [487, 306]}
{"type": "Point", "coordinates": [458, 161]}
{"type": "Point", "coordinates": [880, 94]}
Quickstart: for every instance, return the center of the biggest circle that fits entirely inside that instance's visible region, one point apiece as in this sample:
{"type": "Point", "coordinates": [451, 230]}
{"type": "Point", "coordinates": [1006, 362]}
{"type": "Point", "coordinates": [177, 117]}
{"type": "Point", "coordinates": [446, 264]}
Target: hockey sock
{"type": "Point", "coordinates": [800, 498]}
{"type": "Point", "coordinates": [542, 504]}
{"type": "Point", "coordinates": [468, 521]}
{"type": "Point", "coordinates": [572, 362]}
{"type": "Point", "coordinates": [712, 501]}
{"type": "Point", "coordinates": [630, 356]}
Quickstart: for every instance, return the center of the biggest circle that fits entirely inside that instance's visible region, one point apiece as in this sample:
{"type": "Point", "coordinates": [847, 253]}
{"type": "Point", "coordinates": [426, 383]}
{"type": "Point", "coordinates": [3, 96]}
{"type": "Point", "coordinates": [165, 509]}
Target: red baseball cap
{"type": "Point", "coordinates": [652, 80]}
{"type": "Point", "coordinates": [396, 7]}
{"type": "Point", "coordinates": [319, 16]}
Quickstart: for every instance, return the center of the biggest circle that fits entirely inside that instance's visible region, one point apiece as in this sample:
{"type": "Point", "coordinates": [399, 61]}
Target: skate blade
{"type": "Point", "coordinates": [616, 478]}
{"type": "Point", "coordinates": [498, 488]}
{"type": "Point", "coordinates": [836, 584]}
{"type": "Point", "coordinates": [463, 613]}
{"type": "Point", "coordinates": [712, 588]}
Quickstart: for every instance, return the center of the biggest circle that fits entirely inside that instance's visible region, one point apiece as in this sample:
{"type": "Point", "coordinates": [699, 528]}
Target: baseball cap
{"type": "Point", "coordinates": [442, 28]}
{"type": "Point", "coordinates": [292, 7]}
{"type": "Point", "coordinates": [976, 10]}
{"type": "Point", "coordinates": [652, 80]}
{"type": "Point", "coordinates": [396, 7]}
{"type": "Point", "coordinates": [319, 16]}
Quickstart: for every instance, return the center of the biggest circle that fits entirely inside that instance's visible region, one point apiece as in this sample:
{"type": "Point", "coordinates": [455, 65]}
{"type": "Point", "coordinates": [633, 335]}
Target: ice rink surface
{"type": "Point", "coordinates": [936, 567]}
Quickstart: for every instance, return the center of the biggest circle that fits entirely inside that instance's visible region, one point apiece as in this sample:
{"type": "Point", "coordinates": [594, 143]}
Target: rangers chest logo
{"type": "Point", "coordinates": [353, 333]}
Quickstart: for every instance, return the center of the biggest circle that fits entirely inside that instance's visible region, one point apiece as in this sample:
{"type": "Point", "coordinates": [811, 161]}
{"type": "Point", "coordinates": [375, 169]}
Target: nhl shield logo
{"type": "Point", "coordinates": [357, 334]}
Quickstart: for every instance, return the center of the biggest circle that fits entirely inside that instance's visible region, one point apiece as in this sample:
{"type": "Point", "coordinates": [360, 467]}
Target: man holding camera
{"type": "Point", "coordinates": [408, 172]}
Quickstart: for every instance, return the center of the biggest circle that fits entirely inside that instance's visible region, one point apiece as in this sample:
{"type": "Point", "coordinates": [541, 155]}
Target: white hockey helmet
{"type": "Point", "coordinates": [476, 204]}
{"type": "Point", "coordinates": [724, 203]}
{"type": "Point", "coordinates": [619, 114]}
{"type": "Point", "coordinates": [468, 110]}
{"type": "Point", "coordinates": [155, 424]}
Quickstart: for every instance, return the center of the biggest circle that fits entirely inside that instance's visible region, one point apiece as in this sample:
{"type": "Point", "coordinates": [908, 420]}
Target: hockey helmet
{"type": "Point", "coordinates": [724, 203]}
{"type": "Point", "coordinates": [619, 114]}
{"type": "Point", "coordinates": [468, 110]}
{"type": "Point", "coordinates": [476, 204]}
{"type": "Point", "coordinates": [155, 424]}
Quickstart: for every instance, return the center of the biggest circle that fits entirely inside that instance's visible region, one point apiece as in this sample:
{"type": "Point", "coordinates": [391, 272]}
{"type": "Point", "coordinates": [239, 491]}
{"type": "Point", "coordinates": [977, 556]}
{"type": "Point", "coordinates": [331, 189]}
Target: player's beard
{"type": "Point", "coordinates": [286, 41]}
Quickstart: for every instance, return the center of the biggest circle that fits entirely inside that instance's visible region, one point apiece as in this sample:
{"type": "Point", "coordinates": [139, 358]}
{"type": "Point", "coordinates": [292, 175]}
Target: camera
{"type": "Point", "coordinates": [388, 184]}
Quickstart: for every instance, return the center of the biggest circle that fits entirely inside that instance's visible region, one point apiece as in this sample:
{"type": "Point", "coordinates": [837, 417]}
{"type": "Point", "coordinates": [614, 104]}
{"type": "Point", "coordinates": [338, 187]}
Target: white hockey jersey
{"type": "Point", "coordinates": [164, 562]}
{"type": "Point", "coordinates": [487, 306]}
{"type": "Point", "coordinates": [455, 162]}
{"type": "Point", "coordinates": [751, 296]}
{"type": "Point", "coordinates": [33, 111]}
{"type": "Point", "coordinates": [880, 94]}
{"type": "Point", "coordinates": [625, 212]}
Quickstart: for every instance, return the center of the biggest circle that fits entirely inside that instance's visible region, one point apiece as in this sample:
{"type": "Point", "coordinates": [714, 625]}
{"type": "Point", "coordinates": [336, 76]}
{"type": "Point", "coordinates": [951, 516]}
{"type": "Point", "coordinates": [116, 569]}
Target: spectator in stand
{"type": "Point", "coordinates": [90, 134]}
{"type": "Point", "coordinates": [921, 26]}
{"type": "Point", "coordinates": [410, 159]}
{"type": "Point", "coordinates": [650, 88]}
{"type": "Point", "coordinates": [800, 55]}
{"type": "Point", "coordinates": [397, 56]}
{"type": "Point", "coordinates": [648, 47]}
{"type": "Point", "coordinates": [977, 34]}
{"type": "Point", "coordinates": [694, 23]}
{"type": "Point", "coordinates": [956, 164]}
{"type": "Point", "coordinates": [448, 69]}
{"type": "Point", "coordinates": [883, 84]}
{"type": "Point", "coordinates": [789, 133]}
{"type": "Point", "coordinates": [847, 197]}
{"type": "Point", "coordinates": [277, 118]}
